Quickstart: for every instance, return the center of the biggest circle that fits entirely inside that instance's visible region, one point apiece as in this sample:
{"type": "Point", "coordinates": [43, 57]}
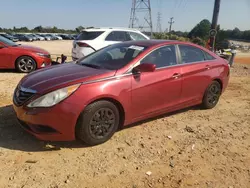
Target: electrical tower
{"type": "Point", "coordinates": [140, 17]}
{"type": "Point", "coordinates": [158, 29]}
{"type": "Point", "coordinates": [170, 23]}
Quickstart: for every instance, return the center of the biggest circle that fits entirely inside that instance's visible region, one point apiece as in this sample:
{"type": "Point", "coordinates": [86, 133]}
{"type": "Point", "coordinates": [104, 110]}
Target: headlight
{"type": "Point", "coordinates": [42, 55]}
{"type": "Point", "coordinates": [54, 97]}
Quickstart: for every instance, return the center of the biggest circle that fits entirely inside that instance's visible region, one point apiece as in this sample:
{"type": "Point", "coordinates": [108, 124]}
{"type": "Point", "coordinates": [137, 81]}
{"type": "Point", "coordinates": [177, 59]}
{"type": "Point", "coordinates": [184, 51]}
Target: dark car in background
{"type": "Point", "coordinates": [10, 37]}
{"type": "Point", "coordinates": [23, 37]}
{"type": "Point", "coordinates": [65, 37]}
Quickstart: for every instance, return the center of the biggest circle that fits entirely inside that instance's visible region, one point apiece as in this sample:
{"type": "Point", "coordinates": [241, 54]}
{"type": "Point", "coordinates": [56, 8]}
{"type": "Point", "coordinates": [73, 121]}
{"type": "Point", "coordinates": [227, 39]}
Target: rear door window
{"type": "Point", "coordinates": [89, 35]}
{"type": "Point", "coordinates": [208, 56]}
{"type": "Point", "coordinates": [118, 36]}
{"type": "Point", "coordinates": [190, 54]}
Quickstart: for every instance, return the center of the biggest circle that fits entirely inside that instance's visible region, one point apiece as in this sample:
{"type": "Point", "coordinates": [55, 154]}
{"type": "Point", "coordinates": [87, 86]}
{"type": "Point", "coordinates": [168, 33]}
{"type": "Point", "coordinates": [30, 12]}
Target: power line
{"type": "Point", "coordinates": [141, 12]}
{"type": "Point", "coordinates": [158, 28]}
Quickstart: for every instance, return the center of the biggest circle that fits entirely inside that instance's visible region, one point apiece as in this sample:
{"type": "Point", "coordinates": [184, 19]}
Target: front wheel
{"type": "Point", "coordinates": [98, 123]}
{"type": "Point", "coordinates": [25, 64]}
{"type": "Point", "coordinates": [212, 95]}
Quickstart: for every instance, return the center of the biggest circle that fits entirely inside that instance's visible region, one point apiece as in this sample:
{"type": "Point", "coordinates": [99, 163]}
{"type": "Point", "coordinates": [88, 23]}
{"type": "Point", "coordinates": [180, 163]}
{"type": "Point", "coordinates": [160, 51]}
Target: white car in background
{"type": "Point", "coordinates": [91, 40]}
{"type": "Point", "coordinates": [57, 36]}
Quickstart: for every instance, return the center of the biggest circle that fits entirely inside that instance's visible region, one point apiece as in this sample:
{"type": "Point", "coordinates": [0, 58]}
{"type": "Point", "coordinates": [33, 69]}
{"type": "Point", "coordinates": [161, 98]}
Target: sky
{"type": "Point", "coordinates": [69, 14]}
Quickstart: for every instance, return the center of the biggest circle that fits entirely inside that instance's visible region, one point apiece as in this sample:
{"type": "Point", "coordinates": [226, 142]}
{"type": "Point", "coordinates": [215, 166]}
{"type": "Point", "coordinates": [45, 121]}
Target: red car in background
{"type": "Point", "coordinates": [23, 58]}
{"type": "Point", "coordinates": [116, 86]}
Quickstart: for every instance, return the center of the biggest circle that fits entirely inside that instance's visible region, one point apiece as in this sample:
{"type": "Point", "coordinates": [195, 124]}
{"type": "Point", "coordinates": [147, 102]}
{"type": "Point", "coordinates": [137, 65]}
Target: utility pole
{"type": "Point", "coordinates": [140, 17]}
{"type": "Point", "coordinates": [170, 23]}
{"type": "Point", "coordinates": [214, 23]}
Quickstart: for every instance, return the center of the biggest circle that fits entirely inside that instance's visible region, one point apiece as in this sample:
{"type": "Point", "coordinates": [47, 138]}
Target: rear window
{"type": "Point", "coordinates": [89, 35]}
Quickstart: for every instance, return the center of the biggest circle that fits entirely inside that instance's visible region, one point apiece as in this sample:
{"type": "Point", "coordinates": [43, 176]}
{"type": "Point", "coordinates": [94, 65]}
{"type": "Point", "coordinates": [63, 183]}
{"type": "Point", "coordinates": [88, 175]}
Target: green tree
{"type": "Point", "coordinates": [198, 41]}
{"type": "Point", "coordinates": [246, 35]}
{"type": "Point", "coordinates": [236, 33]}
{"type": "Point", "coordinates": [79, 28]}
{"type": "Point", "coordinates": [201, 30]}
{"type": "Point", "coordinates": [38, 29]}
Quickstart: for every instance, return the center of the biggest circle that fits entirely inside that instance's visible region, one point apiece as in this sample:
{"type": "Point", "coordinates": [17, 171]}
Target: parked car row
{"type": "Point", "coordinates": [37, 37]}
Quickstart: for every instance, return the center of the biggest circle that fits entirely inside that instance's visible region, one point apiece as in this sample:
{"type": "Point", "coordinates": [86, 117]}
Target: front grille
{"type": "Point", "coordinates": [38, 129]}
{"type": "Point", "coordinates": [21, 96]}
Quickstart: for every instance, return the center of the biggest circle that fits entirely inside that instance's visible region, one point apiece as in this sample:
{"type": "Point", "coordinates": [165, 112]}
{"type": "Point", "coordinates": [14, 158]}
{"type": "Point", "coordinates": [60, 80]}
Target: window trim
{"type": "Point", "coordinates": [159, 68]}
{"type": "Point", "coordinates": [205, 54]}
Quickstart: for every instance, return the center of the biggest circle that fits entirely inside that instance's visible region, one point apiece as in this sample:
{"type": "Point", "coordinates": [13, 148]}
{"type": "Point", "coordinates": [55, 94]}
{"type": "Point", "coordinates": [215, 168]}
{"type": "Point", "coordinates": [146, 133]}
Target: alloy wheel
{"type": "Point", "coordinates": [213, 94]}
{"type": "Point", "coordinates": [26, 65]}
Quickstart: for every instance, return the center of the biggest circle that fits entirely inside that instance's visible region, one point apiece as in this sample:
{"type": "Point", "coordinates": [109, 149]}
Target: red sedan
{"type": "Point", "coordinates": [116, 86]}
{"type": "Point", "coordinates": [22, 58]}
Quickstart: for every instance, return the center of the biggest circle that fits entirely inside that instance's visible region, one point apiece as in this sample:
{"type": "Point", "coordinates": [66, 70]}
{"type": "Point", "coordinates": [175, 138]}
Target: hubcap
{"type": "Point", "coordinates": [102, 123]}
{"type": "Point", "coordinates": [26, 65]}
{"type": "Point", "coordinates": [213, 94]}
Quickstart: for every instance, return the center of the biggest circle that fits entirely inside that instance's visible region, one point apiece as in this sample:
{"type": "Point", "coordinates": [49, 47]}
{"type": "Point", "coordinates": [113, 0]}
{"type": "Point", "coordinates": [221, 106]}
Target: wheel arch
{"type": "Point", "coordinates": [117, 103]}
{"type": "Point", "coordinates": [25, 56]}
{"type": "Point", "coordinates": [220, 82]}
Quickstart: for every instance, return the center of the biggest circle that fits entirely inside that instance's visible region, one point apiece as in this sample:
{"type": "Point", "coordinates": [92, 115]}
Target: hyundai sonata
{"type": "Point", "coordinates": [116, 86]}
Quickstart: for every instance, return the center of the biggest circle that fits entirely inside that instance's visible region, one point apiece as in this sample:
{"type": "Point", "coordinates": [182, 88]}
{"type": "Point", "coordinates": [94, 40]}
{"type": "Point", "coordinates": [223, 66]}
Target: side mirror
{"type": "Point", "coordinates": [145, 67]}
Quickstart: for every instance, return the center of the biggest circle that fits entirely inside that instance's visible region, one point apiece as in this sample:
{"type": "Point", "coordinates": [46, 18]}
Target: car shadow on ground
{"type": "Point", "coordinates": [8, 71]}
{"type": "Point", "coordinates": [13, 137]}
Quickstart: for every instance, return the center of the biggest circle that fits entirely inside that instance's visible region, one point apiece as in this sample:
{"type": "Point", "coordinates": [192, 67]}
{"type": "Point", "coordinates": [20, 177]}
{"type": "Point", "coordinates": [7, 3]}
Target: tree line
{"type": "Point", "coordinates": [200, 34]}
{"type": "Point", "coordinates": [40, 29]}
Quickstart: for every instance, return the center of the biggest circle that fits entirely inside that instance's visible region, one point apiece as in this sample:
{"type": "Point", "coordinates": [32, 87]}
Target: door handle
{"type": "Point", "coordinates": [207, 67]}
{"type": "Point", "coordinates": [176, 75]}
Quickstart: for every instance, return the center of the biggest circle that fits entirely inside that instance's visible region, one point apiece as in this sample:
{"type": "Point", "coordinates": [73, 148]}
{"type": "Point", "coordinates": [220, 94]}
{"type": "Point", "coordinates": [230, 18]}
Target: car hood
{"type": "Point", "coordinates": [58, 76]}
{"type": "Point", "coordinates": [32, 48]}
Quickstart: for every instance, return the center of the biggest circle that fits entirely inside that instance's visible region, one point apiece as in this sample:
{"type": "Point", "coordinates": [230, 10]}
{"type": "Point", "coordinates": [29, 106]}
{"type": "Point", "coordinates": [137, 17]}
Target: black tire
{"type": "Point", "coordinates": [212, 95]}
{"type": "Point", "coordinates": [25, 64]}
{"type": "Point", "coordinates": [94, 120]}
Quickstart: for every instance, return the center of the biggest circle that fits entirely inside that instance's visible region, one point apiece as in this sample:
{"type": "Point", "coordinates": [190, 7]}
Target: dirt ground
{"type": "Point", "coordinates": [188, 148]}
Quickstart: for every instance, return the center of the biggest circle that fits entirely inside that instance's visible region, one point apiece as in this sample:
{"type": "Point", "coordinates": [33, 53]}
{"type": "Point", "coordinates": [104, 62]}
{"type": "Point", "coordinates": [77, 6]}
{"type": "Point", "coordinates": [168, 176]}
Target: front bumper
{"type": "Point", "coordinates": [43, 62]}
{"type": "Point", "coordinates": [51, 124]}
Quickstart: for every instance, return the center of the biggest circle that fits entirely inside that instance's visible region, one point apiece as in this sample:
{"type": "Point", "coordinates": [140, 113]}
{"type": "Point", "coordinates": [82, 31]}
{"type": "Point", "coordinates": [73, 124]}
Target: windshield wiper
{"type": "Point", "coordinates": [91, 65]}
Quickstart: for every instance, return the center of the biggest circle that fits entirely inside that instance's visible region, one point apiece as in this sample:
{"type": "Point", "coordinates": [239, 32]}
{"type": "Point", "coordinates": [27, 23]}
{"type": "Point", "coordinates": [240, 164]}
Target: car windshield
{"type": "Point", "coordinates": [7, 41]}
{"type": "Point", "coordinates": [112, 57]}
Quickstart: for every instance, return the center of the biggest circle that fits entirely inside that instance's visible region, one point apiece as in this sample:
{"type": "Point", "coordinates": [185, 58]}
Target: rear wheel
{"type": "Point", "coordinates": [212, 95]}
{"type": "Point", "coordinates": [25, 64]}
{"type": "Point", "coordinates": [97, 123]}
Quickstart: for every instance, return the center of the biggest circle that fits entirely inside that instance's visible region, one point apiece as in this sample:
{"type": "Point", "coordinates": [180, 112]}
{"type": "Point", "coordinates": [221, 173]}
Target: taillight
{"type": "Point", "coordinates": [82, 44]}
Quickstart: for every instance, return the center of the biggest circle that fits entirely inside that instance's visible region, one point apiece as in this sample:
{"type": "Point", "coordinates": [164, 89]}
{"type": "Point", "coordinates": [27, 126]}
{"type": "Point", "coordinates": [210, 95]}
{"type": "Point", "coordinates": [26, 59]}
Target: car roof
{"type": "Point", "coordinates": [110, 29]}
{"type": "Point", "coordinates": [152, 42]}
{"type": "Point", "coordinates": [160, 42]}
